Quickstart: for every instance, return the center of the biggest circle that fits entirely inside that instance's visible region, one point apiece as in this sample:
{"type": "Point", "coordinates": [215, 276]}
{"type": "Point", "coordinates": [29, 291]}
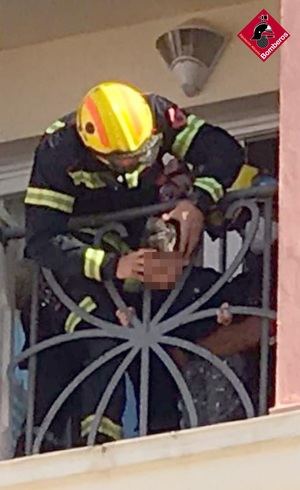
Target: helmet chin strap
{"type": "Point", "coordinates": [123, 170]}
{"type": "Point", "coordinates": [101, 159]}
{"type": "Point", "coordinates": [117, 168]}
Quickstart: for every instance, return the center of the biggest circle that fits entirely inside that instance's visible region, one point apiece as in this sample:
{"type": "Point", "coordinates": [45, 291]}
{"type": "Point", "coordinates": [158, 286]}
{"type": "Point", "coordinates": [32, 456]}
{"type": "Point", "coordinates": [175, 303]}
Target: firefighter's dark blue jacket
{"type": "Point", "coordinates": [68, 181]}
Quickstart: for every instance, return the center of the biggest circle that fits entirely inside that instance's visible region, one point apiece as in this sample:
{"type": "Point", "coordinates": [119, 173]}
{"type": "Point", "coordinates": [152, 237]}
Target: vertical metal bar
{"type": "Point", "coordinates": [224, 265]}
{"type": "Point", "coordinates": [32, 362]}
{"type": "Point", "coordinates": [144, 391]}
{"type": "Point", "coordinates": [11, 285]}
{"type": "Point", "coordinates": [266, 287]}
{"type": "Point", "coordinates": [69, 433]}
{"type": "Point", "coordinates": [220, 258]}
{"type": "Point", "coordinates": [6, 346]}
{"type": "Point", "coordinates": [144, 378]}
{"type": "Point", "coordinates": [146, 309]}
{"type": "Point", "coordinates": [223, 252]}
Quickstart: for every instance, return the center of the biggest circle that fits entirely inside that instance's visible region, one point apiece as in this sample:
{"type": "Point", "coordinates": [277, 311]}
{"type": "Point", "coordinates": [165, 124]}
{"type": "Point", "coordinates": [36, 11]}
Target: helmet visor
{"type": "Point", "coordinates": [128, 162]}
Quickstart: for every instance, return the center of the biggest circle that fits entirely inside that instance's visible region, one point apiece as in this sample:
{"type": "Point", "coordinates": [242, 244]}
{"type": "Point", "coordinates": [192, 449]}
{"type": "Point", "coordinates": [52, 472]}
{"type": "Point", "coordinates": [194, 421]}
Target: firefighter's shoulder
{"type": "Point", "coordinates": [60, 135]}
{"type": "Point", "coordinates": [167, 114]}
{"type": "Point", "coordinates": [59, 143]}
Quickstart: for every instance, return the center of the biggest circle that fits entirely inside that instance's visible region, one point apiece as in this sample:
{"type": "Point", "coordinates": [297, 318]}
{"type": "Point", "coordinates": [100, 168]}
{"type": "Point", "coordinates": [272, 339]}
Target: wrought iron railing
{"type": "Point", "coordinates": [148, 334]}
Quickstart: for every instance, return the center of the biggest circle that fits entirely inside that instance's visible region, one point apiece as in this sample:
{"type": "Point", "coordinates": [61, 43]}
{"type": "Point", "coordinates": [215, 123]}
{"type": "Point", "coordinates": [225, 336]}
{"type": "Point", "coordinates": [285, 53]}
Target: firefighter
{"type": "Point", "coordinates": [107, 156]}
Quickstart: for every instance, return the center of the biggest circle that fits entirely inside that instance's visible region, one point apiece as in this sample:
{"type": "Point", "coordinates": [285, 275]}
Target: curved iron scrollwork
{"type": "Point", "coordinates": [149, 335]}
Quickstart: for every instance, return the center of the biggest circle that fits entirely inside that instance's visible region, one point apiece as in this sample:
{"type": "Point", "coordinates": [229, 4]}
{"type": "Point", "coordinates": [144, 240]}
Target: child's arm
{"type": "Point", "coordinates": [236, 337]}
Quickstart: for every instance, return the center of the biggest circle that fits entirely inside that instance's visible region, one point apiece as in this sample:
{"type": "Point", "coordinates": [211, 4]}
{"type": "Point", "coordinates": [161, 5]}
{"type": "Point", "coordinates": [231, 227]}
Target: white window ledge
{"type": "Point", "coordinates": [257, 454]}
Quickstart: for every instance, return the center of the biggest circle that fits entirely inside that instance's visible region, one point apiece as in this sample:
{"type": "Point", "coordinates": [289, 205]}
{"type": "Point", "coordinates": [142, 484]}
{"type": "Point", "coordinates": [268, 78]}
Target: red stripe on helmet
{"type": "Point", "coordinates": [93, 110]}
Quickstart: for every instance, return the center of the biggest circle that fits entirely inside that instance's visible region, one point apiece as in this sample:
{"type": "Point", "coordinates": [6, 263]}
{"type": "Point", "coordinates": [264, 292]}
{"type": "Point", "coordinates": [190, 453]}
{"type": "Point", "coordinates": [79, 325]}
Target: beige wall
{"type": "Point", "coordinates": [41, 82]}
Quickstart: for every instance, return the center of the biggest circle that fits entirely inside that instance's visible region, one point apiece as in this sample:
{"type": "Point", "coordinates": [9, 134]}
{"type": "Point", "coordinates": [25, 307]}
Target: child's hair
{"type": "Point", "coordinates": [161, 235]}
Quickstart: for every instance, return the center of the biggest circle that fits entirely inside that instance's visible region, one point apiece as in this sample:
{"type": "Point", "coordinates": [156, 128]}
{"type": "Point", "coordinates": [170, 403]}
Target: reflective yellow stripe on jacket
{"type": "Point", "coordinates": [210, 185]}
{"type": "Point", "coordinates": [91, 180]}
{"type": "Point", "coordinates": [93, 259]}
{"type": "Point", "coordinates": [88, 305]}
{"type": "Point", "coordinates": [50, 199]}
{"type": "Point", "coordinates": [132, 178]}
{"type": "Point", "coordinates": [184, 139]}
{"type": "Point", "coordinates": [107, 427]}
{"type": "Point", "coordinates": [55, 127]}
{"type": "Point", "coordinates": [115, 242]}
{"type": "Point", "coordinates": [245, 177]}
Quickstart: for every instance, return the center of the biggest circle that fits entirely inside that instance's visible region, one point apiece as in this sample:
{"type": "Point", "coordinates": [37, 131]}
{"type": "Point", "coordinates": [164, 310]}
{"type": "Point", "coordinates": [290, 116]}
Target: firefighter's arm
{"type": "Point", "coordinates": [49, 204]}
{"type": "Point", "coordinates": [215, 156]}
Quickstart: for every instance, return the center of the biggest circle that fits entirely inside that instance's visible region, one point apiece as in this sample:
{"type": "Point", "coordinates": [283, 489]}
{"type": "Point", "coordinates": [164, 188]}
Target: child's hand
{"type": "Point", "coordinates": [125, 316]}
{"type": "Point", "coordinates": [224, 316]}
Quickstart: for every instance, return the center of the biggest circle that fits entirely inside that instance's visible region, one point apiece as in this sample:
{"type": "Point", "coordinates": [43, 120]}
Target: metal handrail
{"type": "Point", "coordinates": [96, 220]}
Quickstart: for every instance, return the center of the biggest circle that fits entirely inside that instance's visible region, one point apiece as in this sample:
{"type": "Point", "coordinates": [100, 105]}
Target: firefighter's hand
{"type": "Point", "coordinates": [132, 265]}
{"type": "Point", "coordinates": [191, 221]}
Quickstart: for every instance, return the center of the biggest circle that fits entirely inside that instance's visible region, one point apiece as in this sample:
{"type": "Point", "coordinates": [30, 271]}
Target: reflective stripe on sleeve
{"type": "Point", "coordinates": [88, 305]}
{"type": "Point", "coordinates": [91, 180]}
{"type": "Point", "coordinates": [106, 426]}
{"type": "Point", "coordinates": [184, 139]}
{"type": "Point", "coordinates": [55, 127]}
{"type": "Point", "coordinates": [51, 199]}
{"type": "Point", "coordinates": [210, 185]}
{"type": "Point", "coordinates": [93, 259]}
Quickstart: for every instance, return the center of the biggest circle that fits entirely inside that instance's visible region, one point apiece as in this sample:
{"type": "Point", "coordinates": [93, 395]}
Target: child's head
{"type": "Point", "coordinates": [160, 235]}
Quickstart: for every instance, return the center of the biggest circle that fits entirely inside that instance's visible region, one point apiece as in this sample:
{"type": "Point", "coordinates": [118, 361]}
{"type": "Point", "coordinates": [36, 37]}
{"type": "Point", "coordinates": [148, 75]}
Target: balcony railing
{"type": "Point", "coordinates": [149, 334]}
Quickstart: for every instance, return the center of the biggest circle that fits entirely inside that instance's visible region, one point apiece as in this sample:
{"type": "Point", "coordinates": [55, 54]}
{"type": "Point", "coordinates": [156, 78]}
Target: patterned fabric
{"type": "Point", "coordinates": [214, 397]}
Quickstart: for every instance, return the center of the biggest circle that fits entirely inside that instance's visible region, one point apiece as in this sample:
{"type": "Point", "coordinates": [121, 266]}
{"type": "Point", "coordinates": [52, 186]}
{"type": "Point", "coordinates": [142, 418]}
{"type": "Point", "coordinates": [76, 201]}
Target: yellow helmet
{"type": "Point", "coordinates": [114, 117]}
